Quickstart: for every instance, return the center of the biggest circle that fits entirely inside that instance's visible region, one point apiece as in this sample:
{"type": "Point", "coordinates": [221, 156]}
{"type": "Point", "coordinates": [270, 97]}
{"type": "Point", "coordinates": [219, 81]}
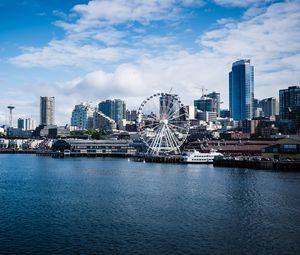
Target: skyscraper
{"type": "Point", "coordinates": [216, 96]}
{"type": "Point", "coordinates": [269, 106]}
{"type": "Point", "coordinates": [115, 109]}
{"type": "Point", "coordinates": [289, 105]}
{"type": "Point", "coordinates": [47, 111]}
{"type": "Point", "coordinates": [82, 116]}
{"type": "Point", "coordinates": [169, 106]}
{"type": "Point", "coordinates": [26, 124]}
{"type": "Point", "coordinates": [241, 90]}
{"type": "Point", "coordinates": [21, 123]}
{"type": "Point", "coordinates": [119, 111]}
{"type": "Point", "coordinates": [209, 102]}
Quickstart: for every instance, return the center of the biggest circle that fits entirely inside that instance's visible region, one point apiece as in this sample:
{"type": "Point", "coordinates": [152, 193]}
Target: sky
{"type": "Point", "coordinates": [92, 50]}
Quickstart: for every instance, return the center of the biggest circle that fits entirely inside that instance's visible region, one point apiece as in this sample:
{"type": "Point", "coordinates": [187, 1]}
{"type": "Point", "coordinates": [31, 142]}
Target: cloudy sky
{"type": "Point", "coordinates": [90, 50]}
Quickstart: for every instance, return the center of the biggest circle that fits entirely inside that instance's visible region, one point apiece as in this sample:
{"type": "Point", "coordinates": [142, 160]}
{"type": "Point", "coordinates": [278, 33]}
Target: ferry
{"type": "Point", "coordinates": [200, 157]}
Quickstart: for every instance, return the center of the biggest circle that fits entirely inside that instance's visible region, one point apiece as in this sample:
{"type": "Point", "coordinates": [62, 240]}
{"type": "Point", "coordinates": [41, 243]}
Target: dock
{"type": "Point", "coordinates": [280, 165]}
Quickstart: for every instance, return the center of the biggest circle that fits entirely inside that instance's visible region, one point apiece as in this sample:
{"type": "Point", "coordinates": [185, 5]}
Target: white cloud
{"type": "Point", "coordinates": [68, 53]}
{"type": "Point", "coordinates": [267, 35]}
{"type": "Point", "coordinates": [269, 39]}
{"type": "Point", "coordinates": [239, 3]}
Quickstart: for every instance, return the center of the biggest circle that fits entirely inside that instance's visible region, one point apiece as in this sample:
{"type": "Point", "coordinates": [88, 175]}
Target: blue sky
{"type": "Point", "coordinates": [92, 50]}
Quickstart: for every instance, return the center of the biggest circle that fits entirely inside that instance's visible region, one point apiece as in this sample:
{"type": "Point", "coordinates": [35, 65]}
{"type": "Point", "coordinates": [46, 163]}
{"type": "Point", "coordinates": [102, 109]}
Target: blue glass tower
{"type": "Point", "coordinates": [115, 109]}
{"type": "Point", "coordinates": [241, 90]}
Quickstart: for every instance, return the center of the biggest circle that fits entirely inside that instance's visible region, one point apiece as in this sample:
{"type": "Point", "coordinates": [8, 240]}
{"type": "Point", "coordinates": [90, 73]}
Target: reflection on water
{"type": "Point", "coordinates": [113, 206]}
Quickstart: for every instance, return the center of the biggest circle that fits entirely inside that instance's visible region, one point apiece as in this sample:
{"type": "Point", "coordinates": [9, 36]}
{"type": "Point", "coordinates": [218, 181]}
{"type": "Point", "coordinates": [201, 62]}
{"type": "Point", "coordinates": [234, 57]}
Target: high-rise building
{"type": "Point", "coordinates": [82, 115]}
{"type": "Point", "coordinates": [224, 113]}
{"type": "Point", "coordinates": [289, 105]}
{"type": "Point", "coordinates": [269, 106]}
{"type": "Point", "coordinates": [47, 111]}
{"type": "Point", "coordinates": [241, 90]}
{"type": "Point", "coordinates": [26, 124]}
{"type": "Point", "coordinates": [191, 112]}
{"type": "Point", "coordinates": [21, 123]}
{"type": "Point", "coordinates": [209, 102]}
{"type": "Point", "coordinates": [119, 110]}
{"type": "Point", "coordinates": [207, 116]}
{"type": "Point", "coordinates": [216, 104]}
{"type": "Point", "coordinates": [204, 104]}
{"type": "Point", "coordinates": [169, 106]}
{"type": "Point", "coordinates": [103, 122]}
{"type": "Point", "coordinates": [131, 115]}
{"type": "Point", "coordinates": [115, 109]}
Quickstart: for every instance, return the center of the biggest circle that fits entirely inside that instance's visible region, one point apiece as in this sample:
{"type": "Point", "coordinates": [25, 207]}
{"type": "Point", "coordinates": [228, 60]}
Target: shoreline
{"type": "Point", "coordinates": [250, 163]}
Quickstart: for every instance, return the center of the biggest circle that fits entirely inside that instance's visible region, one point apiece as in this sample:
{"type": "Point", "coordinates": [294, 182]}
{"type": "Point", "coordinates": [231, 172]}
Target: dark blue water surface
{"type": "Point", "coordinates": [112, 206]}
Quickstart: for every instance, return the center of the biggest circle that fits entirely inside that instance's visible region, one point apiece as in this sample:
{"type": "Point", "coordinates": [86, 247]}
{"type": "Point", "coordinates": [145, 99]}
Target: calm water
{"type": "Point", "coordinates": [112, 206]}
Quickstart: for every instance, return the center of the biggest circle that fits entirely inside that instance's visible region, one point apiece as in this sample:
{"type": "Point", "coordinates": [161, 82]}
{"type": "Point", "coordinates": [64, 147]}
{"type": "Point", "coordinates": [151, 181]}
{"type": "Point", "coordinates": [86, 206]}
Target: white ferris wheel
{"type": "Point", "coordinates": [163, 123]}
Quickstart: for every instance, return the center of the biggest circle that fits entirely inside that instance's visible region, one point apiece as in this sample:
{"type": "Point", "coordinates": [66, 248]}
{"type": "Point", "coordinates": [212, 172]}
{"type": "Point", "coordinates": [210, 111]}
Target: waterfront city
{"type": "Point", "coordinates": [150, 127]}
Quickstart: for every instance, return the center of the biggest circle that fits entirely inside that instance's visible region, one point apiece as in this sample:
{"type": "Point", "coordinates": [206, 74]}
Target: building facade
{"type": "Point", "coordinates": [131, 115]}
{"type": "Point", "coordinates": [289, 105]}
{"type": "Point", "coordinates": [169, 106]}
{"type": "Point", "coordinates": [103, 122]}
{"type": "Point", "coordinates": [115, 109]}
{"type": "Point", "coordinates": [47, 111]}
{"type": "Point", "coordinates": [209, 102]}
{"type": "Point", "coordinates": [82, 115]}
{"type": "Point", "coordinates": [241, 90]}
{"type": "Point", "coordinates": [26, 124]}
{"type": "Point", "coordinates": [269, 106]}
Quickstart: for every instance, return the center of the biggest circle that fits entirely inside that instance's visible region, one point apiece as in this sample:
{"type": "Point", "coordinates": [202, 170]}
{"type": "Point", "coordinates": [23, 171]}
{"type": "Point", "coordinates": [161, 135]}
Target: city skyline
{"type": "Point", "coordinates": [81, 51]}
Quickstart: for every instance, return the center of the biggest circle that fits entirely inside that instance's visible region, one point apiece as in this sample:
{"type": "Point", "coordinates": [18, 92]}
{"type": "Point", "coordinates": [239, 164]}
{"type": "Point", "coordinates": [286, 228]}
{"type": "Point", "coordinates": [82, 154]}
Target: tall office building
{"type": "Point", "coordinates": [169, 106]}
{"type": "Point", "coordinates": [216, 104]}
{"type": "Point", "coordinates": [115, 109]}
{"type": "Point", "coordinates": [269, 106]}
{"type": "Point", "coordinates": [289, 105]}
{"type": "Point", "coordinates": [26, 124]}
{"type": "Point", "coordinates": [21, 123]}
{"type": "Point", "coordinates": [82, 116]}
{"type": "Point", "coordinates": [241, 90]}
{"type": "Point", "coordinates": [131, 115]}
{"type": "Point", "coordinates": [209, 103]}
{"type": "Point", "coordinates": [119, 112]}
{"type": "Point", "coordinates": [47, 111]}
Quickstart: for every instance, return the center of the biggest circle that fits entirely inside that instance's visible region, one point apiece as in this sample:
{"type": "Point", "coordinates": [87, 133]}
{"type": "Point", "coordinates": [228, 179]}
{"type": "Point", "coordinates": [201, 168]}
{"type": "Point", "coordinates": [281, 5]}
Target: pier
{"type": "Point", "coordinates": [252, 163]}
{"type": "Point", "coordinates": [157, 158]}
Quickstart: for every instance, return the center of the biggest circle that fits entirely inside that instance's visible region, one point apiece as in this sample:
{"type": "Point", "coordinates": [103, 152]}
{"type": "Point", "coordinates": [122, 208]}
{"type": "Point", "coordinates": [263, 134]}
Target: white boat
{"type": "Point", "coordinates": [200, 157]}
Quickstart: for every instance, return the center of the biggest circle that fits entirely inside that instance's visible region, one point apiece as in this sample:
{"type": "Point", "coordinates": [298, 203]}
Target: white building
{"type": "Point", "coordinates": [191, 111]}
{"type": "Point", "coordinates": [82, 116]}
{"type": "Point", "coordinates": [207, 116]}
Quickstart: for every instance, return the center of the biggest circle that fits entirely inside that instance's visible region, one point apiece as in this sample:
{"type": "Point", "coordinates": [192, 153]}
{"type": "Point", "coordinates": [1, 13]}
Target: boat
{"type": "Point", "coordinates": [200, 157]}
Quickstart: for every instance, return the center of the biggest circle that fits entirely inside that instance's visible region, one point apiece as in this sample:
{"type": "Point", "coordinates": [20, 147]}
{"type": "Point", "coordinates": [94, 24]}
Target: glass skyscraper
{"type": "Point", "coordinates": [241, 90]}
{"type": "Point", "coordinates": [115, 109]}
{"type": "Point", "coordinates": [289, 105]}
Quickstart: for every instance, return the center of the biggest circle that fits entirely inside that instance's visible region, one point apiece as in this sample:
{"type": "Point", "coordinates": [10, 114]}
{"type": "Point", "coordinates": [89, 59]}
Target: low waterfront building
{"type": "Point", "coordinates": [51, 131]}
{"type": "Point", "coordinates": [18, 133]}
{"type": "Point", "coordinates": [95, 147]}
{"type": "Point", "coordinates": [283, 149]}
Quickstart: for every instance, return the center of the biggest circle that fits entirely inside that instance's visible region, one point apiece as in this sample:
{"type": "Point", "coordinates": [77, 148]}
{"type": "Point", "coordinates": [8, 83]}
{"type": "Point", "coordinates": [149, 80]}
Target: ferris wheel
{"type": "Point", "coordinates": [163, 123]}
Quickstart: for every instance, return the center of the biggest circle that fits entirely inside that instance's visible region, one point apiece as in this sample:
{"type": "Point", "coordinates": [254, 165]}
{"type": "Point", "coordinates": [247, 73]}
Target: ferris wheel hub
{"type": "Point", "coordinates": [164, 121]}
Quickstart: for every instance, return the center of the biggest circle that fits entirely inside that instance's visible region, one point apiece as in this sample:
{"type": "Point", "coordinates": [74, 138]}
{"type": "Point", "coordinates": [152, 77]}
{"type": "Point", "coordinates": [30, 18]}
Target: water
{"type": "Point", "coordinates": [112, 206]}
